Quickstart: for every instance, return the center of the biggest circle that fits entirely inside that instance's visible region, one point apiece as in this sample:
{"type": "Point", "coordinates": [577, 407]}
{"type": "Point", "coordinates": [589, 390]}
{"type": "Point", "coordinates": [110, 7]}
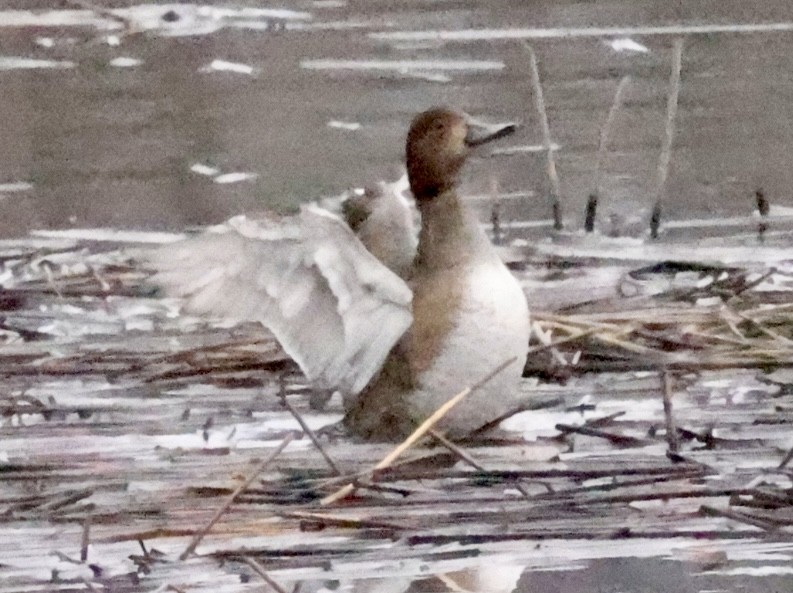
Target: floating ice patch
{"type": "Point", "coordinates": [141, 325]}
{"type": "Point", "coordinates": [188, 20]}
{"type": "Point", "coordinates": [776, 210]}
{"type": "Point", "coordinates": [227, 178]}
{"type": "Point", "coordinates": [196, 440]}
{"type": "Point", "coordinates": [196, 389]}
{"type": "Point", "coordinates": [523, 149]}
{"type": "Point", "coordinates": [534, 424]}
{"type": "Point", "coordinates": [429, 76]}
{"type": "Point", "coordinates": [578, 32]}
{"type": "Point", "coordinates": [111, 235]}
{"type": "Point", "coordinates": [74, 329]}
{"type": "Point", "coordinates": [44, 42]}
{"type": "Point", "coordinates": [224, 66]}
{"type": "Point", "coordinates": [644, 408]}
{"type": "Point", "coordinates": [258, 25]}
{"type": "Point", "coordinates": [329, 3]}
{"type": "Point", "coordinates": [417, 45]}
{"type": "Point", "coordinates": [174, 20]}
{"type": "Point", "coordinates": [251, 13]}
{"type": "Point", "coordinates": [162, 19]}
{"type": "Point", "coordinates": [725, 222]}
{"type": "Point", "coordinates": [781, 481]}
{"type": "Point", "coordinates": [755, 571]}
{"type": "Point", "coordinates": [280, 421]}
{"type": "Point", "coordinates": [404, 65]}
{"type": "Point", "coordinates": [202, 169]}
{"type": "Point", "coordinates": [148, 486]}
{"type": "Point", "coordinates": [15, 63]}
{"type": "Point", "coordinates": [714, 301]}
{"type": "Point", "coordinates": [653, 450]}
{"type": "Point", "coordinates": [125, 62]}
{"type": "Point", "coordinates": [269, 444]}
{"type": "Point", "coordinates": [767, 551]}
{"type": "Point", "coordinates": [330, 25]}
{"type": "Point", "coordinates": [627, 44]}
{"type": "Point", "coordinates": [50, 18]}
{"type": "Point", "coordinates": [112, 40]}
{"type": "Point", "coordinates": [344, 125]}
{"type": "Point", "coordinates": [15, 186]}
{"type": "Point", "coordinates": [622, 249]}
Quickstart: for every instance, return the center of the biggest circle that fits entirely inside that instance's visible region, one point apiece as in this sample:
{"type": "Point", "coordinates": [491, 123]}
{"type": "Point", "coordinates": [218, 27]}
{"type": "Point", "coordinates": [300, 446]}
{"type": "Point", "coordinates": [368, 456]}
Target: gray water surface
{"type": "Point", "coordinates": [105, 144]}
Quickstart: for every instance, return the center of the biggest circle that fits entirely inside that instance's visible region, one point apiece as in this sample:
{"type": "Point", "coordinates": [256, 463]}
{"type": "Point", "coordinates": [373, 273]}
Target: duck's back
{"type": "Point", "coordinates": [383, 220]}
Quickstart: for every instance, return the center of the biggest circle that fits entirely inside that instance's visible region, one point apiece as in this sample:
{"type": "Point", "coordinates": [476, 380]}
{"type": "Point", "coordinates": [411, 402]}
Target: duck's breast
{"type": "Point", "coordinates": [489, 326]}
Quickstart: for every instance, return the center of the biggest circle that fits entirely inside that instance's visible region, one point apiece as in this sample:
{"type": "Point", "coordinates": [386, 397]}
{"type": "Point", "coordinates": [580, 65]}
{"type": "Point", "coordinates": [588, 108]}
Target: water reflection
{"type": "Point", "coordinates": [496, 576]}
{"type": "Point", "coordinates": [607, 575]}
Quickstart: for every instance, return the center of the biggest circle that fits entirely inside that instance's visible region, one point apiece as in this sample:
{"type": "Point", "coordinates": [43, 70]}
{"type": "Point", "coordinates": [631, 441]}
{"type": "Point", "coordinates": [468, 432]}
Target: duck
{"type": "Point", "coordinates": [397, 325]}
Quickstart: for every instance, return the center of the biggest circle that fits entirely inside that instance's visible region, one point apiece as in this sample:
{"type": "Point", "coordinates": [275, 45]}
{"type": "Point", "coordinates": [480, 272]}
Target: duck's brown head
{"type": "Point", "coordinates": [438, 143]}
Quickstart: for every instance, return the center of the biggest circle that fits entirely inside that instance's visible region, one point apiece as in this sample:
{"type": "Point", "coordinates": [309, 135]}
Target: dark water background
{"type": "Point", "coordinates": [106, 145]}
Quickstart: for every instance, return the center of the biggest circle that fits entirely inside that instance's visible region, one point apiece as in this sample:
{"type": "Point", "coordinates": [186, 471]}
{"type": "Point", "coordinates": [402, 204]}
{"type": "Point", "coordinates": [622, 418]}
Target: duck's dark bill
{"type": "Point", "coordinates": [481, 133]}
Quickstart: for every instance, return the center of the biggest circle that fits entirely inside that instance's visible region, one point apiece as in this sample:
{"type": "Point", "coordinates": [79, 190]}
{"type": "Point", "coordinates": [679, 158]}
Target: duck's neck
{"type": "Point", "coordinates": [450, 234]}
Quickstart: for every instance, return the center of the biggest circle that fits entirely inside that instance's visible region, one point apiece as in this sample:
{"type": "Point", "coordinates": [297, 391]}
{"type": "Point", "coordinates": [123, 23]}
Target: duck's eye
{"type": "Point", "coordinates": [438, 126]}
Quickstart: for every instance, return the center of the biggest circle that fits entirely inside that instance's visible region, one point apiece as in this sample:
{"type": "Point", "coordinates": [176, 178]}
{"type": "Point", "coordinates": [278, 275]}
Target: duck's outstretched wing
{"type": "Point", "coordinates": [332, 305]}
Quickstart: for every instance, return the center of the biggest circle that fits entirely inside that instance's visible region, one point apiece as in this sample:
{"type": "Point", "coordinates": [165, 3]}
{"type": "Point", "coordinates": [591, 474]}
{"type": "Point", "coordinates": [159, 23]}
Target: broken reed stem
{"type": "Point", "coordinates": [671, 430]}
{"type": "Point", "coordinates": [223, 346]}
{"type": "Point", "coordinates": [104, 285]}
{"type": "Point", "coordinates": [259, 569]}
{"type": "Point", "coordinates": [538, 474]}
{"type": "Point", "coordinates": [422, 430]}
{"type": "Point", "coordinates": [450, 583]}
{"type": "Point", "coordinates": [569, 323]}
{"type": "Point", "coordinates": [605, 132]}
{"type": "Point", "coordinates": [50, 275]}
{"type": "Point", "coordinates": [85, 540]}
{"type": "Point", "coordinates": [463, 455]}
{"type": "Point", "coordinates": [495, 222]}
{"type": "Point", "coordinates": [619, 440]}
{"type": "Point", "coordinates": [590, 214]}
{"type": "Point", "coordinates": [731, 325]}
{"type": "Point", "coordinates": [762, 328]}
{"type": "Point", "coordinates": [249, 480]}
{"type": "Point", "coordinates": [562, 341]}
{"type": "Point", "coordinates": [669, 135]}
{"type": "Point", "coordinates": [763, 209]}
{"type": "Point", "coordinates": [344, 522]}
{"type": "Point", "coordinates": [754, 283]}
{"type": "Point", "coordinates": [786, 460]}
{"type": "Point", "coordinates": [308, 432]}
{"type": "Point", "coordinates": [456, 450]}
{"type": "Point", "coordinates": [328, 482]}
{"type": "Point", "coordinates": [604, 420]}
{"type": "Point", "coordinates": [313, 437]}
{"type": "Point", "coordinates": [539, 103]}
{"type": "Point", "coordinates": [495, 213]}
{"type": "Point", "coordinates": [547, 341]}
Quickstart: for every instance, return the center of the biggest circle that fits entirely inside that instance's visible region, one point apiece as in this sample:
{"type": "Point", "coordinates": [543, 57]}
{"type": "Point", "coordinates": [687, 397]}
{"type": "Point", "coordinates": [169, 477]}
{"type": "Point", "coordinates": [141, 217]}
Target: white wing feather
{"type": "Point", "coordinates": [335, 309]}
